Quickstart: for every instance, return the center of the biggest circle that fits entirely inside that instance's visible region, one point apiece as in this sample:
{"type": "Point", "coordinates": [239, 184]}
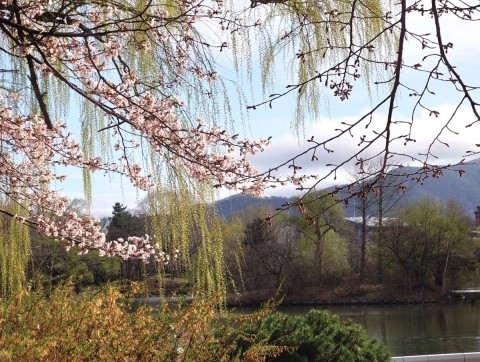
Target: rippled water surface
{"type": "Point", "coordinates": [416, 329]}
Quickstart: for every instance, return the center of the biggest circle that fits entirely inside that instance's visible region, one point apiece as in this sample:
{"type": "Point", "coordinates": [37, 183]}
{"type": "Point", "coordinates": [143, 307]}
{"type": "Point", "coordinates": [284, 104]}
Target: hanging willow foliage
{"type": "Point", "coordinates": [317, 41]}
{"type": "Point", "coordinates": [184, 224]}
{"type": "Point", "coordinates": [14, 251]}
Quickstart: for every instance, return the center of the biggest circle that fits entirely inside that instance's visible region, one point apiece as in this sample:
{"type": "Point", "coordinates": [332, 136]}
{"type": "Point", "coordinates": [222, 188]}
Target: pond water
{"type": "Point", "coordinates": [408, 329]}
{"type": "Point", "coordinates": [416, 329]}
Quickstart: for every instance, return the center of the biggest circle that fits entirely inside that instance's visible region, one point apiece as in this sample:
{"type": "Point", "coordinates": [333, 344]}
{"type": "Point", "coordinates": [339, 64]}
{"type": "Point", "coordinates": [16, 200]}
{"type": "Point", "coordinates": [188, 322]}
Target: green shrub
{"type": "Point", "coordinates": [317, 336]}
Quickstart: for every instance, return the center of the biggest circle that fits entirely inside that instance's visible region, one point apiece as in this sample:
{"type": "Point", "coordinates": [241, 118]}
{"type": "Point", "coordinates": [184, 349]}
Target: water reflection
{"type": "Point", "coordinates": [416, 329]}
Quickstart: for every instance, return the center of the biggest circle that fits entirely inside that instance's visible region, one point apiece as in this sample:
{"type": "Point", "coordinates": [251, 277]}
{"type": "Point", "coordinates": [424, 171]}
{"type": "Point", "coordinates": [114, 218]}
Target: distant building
{"type": "Point", "coordinates": [371, 221]}
{"type": "Point", "coordinates": [477, 216]}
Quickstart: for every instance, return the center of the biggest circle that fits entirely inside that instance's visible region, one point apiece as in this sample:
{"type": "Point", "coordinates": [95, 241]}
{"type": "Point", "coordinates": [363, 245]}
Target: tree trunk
{"type": "Point", "coordinates": [363, 250]}
{"type": "Point", "coordinates": [444, 274]}
{"type": "Point", "coordinates": [380, 237]}
{"type": "Point", "coordinates": [318, 256]}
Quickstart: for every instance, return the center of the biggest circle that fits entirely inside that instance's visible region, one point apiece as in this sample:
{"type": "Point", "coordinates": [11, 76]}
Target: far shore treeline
{"type": "Point", "coordinates": [423, 248]}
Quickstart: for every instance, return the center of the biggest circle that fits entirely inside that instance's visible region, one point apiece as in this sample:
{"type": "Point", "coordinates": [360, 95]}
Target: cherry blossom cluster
{"type": "Point", "coordinates": [84, 234]}
{"type": "Point", "coordinates": [93, 61]}
{"type": "Point", "coordinates": [88, 49]}
{"type": "Point", "coordinates": [29, 151]}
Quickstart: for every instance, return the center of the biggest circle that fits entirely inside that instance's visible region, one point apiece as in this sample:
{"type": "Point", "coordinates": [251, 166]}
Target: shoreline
{"type": "Point", "coordinates": [362, 295]}
{"type": "Point", "coordinates": [257, 304]}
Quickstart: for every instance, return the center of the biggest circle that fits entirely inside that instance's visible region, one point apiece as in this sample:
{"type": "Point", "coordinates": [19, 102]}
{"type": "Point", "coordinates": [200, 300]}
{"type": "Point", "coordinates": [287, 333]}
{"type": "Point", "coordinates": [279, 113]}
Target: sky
{"type": "Point", "coordinates": [276, 122]}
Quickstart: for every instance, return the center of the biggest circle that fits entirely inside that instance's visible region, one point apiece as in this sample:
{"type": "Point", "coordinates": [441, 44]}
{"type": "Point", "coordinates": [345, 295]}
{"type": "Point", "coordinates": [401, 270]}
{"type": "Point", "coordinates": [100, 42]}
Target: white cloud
{"type": "Point", "coordinates": [424, 130]}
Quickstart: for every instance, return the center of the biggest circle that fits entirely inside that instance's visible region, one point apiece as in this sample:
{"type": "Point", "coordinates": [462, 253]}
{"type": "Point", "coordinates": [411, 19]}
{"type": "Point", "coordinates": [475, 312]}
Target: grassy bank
{"type": "Point", "coordinates": [356, 294]}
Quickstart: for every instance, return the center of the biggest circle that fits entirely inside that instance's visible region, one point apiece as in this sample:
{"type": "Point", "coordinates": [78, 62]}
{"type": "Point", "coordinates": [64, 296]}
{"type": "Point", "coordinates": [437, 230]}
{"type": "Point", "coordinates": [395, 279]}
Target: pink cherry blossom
{"type": "Point", "coordinates": [87, 49]}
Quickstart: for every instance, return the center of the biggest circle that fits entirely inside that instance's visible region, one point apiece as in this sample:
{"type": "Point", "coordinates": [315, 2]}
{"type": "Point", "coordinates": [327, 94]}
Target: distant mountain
{"type": "Point", "coordinates": [465, 190]}
{"type": "Point", "coordinates": [236, 204]}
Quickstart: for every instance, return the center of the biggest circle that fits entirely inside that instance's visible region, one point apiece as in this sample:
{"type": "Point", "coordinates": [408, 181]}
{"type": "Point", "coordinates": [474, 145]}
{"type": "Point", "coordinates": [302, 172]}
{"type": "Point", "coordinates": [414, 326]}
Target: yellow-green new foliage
{"type": "Point", "coordinates": [185, 225]}
{"type": "Point", "coordinates": [14, 251]}
{"type": "Point", "coordinates": [102, 327]}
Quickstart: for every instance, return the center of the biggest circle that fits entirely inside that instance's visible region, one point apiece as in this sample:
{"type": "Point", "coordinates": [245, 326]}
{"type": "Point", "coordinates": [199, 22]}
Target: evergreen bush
{"type": "Point", "coordinates": [317, 336]}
